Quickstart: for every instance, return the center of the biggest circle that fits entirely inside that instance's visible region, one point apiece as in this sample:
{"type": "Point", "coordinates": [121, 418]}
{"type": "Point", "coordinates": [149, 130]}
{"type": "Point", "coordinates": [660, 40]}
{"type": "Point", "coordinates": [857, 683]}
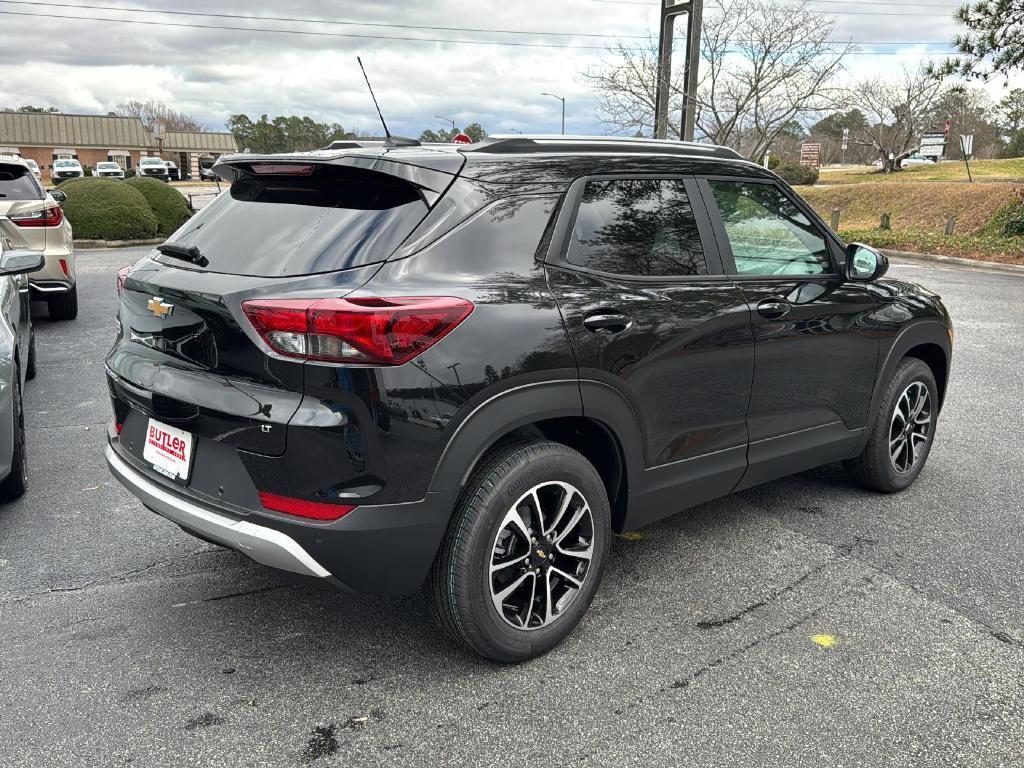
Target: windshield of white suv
{"type": "Point", "coordinates": [107, 166]}
{"type": "Point", "coordinates": [151, 161]}
{"type": "Point", "coordinates": [65, 164]}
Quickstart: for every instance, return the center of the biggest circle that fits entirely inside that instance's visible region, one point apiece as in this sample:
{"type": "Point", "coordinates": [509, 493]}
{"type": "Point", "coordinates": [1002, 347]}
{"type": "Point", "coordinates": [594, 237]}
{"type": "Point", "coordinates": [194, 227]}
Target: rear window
{"type": "Point", "coordinates": [17, 183]}
{"type": "Point", "coordinates": [277, 225]}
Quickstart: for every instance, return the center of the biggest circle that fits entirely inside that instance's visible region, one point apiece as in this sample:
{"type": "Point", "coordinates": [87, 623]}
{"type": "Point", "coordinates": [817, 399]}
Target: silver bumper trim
{"type": "Point", "coordinates": [264, 545]}
{"type": "Point", "coordinates": [49, 288]}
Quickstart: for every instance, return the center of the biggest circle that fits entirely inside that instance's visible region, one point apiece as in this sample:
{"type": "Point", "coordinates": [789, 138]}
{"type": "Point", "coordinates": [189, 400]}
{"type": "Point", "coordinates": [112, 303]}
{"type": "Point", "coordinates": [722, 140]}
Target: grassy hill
{"type": "Point", "coordinates": [984, 170]}
{"type": "Point", "coordinates": [919, 212]}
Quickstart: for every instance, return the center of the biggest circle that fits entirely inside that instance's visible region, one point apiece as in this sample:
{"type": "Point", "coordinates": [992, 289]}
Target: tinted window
{"type": "Point", "coordinates": [767, 232]}
{"type": "Point", "coordinates": [17, 183]}
{"type": "Point", "coordinates": [642, 227]}
{"type": "Point", "coordinates": [274, 225]}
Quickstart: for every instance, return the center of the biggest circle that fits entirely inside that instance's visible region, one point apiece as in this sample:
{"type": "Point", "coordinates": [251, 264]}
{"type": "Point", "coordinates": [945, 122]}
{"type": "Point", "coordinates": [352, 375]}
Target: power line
{"type": "Point", "coordinates": [130, 9]}
{"type": "Point", "coordinates": [830, 12]}
{"type": "Point", "coordinates": [354, 35]}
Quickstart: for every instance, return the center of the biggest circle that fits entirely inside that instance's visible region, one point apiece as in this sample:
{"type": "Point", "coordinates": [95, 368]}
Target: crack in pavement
{"type": "Point", "coordinates": [772, 597]}
{"type": "Point", "coordinates": [851, 551]}
{"type": "Point", "coordinates": [735, 654]}
{"type": "Point", "coordinates": [119, 578]}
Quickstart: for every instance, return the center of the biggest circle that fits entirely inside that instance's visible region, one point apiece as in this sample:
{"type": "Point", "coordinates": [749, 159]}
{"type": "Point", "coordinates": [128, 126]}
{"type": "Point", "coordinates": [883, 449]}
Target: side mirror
{"type": "Point", "coordinates": [59, 196]}
{"type": "Point", "coordinates": [864, 263]}
{"type": "Point", "coordinates": [19, 262]}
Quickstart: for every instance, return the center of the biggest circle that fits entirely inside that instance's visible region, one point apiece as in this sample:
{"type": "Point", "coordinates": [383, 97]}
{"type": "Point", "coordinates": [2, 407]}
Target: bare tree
{"type": "Point", "coordinates": [762, 68]}
{"type": "Point", "coordinates": [765, 66]}
{"type": "Point", "coordinates": [897, 112]}
{"type": "Point", "coordinates": [156, 112]}
{"type": "Point", "coordinates": [626, 87]}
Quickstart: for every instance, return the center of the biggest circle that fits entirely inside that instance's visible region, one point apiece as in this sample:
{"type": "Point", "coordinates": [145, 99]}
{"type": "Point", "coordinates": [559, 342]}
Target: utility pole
{"type": "Point", "coordinates": [447, 120]}
{"type": "Point", "coordinates": [561, 99]}
{"type": "Point", "coordinates": [669, 10]}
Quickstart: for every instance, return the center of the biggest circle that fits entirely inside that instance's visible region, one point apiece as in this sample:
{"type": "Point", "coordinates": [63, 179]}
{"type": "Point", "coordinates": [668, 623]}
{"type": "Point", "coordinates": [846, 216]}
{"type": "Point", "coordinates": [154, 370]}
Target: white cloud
{"type": "Point", "coordinates": [89, 66]}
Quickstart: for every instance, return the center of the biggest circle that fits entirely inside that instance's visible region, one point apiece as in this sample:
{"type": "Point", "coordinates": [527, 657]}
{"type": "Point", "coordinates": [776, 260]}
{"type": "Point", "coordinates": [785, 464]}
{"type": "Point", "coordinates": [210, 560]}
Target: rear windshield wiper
{"type": "Point", "coordinates": [185, 253]}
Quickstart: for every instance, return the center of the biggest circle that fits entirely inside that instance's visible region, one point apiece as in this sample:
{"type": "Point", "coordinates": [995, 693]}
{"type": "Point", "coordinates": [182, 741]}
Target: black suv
{"type": "Point", "coordinates": [396, 366]}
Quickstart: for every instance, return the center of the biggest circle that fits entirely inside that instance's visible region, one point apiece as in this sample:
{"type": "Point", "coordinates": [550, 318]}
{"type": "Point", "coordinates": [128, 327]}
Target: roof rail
{"type": "Point", "coordinates": [392, 143]}
{"type": "Point", "coordinates": [517, 144]}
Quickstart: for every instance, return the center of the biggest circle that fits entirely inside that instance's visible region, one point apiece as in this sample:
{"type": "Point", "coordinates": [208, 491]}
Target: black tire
{"type": "Point", "coordinates": [30, 366]}
{"type": "Point", "coordinates": [459, 586]}
{"type": "Point", "coordinates": [875, 468]}
{"type": "Point", "coordinates": [16, 482]}
{"type": "Point", "coordinates": [64, 306]}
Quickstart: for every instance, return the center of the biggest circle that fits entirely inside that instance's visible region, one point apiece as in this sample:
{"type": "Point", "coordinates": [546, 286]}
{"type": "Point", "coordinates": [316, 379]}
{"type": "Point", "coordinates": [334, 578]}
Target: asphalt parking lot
{"type": "Point", "coordinates": [802, 623]}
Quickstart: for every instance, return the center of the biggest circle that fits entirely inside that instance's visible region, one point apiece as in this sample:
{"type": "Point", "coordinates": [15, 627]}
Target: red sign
{"type": "Point", "coordinates": [461, 138]}
{"type": "Point", "coordinates": [810, 155]}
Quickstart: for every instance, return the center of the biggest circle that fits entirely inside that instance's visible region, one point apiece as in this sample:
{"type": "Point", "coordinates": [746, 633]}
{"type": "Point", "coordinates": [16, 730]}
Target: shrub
{"type": "Point", "coordinates": [167, 203]}
{"type": "Point", "coordinates": [105, 209]}
{"type": "Point", "coordinates": [1009, 220]}
{"type": "Point", "coordinates": [797, 175]}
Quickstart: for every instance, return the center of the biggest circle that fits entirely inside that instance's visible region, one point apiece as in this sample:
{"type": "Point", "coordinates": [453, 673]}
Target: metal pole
{"type": "Point", "coordinates": [664, 73]}
{"type": "Point", "coordinates": [561, 99]}
{"type": "Point", "coordinates": [691, 73]}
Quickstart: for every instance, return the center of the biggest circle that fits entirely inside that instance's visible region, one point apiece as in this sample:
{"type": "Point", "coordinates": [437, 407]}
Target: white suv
{"type": "Point", "coordinates": [33, 220]}
{"type": "Point", "coordinates": [152, 168]}
{"type": "Point", "coordinates": [108, 170]}
{"type": "Point", "coordinates": [64, 169]}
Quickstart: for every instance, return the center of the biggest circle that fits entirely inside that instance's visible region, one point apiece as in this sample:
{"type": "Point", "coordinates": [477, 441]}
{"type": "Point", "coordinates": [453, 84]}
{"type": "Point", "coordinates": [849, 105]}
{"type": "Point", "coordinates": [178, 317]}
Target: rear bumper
{"type": "Point", "coordinates": [262, 544]}
{"type": "Point", "coordinates": [375, 549]}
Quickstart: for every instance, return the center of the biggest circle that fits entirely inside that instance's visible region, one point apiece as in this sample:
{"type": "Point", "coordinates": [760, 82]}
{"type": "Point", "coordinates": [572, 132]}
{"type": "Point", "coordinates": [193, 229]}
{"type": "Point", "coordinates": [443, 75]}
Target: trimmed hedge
{"type": "Point", "coordinates": [797, 175]}
{"type": "Point", "coordinates": [167, 203]}
{"type": "Point", "coordinates": [105, 209]}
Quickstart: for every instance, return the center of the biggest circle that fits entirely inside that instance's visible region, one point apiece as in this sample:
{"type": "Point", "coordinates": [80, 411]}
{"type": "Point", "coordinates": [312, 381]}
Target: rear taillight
{"type": "Point", "coordinates": [368, 331]}
{"type": "Point", "coordinates": [122, 275]}
{"type": "Point", "coordinates": [315, 510]}
{"type": "Point", "coordinates": [48, 217]}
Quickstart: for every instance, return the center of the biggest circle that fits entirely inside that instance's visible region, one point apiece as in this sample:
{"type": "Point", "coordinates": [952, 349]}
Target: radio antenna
{"type": "Point", "coordinates": [387, 133]}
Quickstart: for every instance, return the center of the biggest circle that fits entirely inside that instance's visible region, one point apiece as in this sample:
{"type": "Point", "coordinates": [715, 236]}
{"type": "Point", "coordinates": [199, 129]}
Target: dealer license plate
{"type": "Point", "coordinates": [168, 449]}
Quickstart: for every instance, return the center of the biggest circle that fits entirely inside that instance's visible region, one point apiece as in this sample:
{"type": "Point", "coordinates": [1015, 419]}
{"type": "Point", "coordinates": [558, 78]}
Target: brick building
{"type": "Point", "coordinates": [45, 137]}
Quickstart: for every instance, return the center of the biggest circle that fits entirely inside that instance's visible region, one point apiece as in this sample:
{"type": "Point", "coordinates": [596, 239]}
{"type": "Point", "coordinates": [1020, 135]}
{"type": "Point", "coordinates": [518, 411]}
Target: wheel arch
{"type": "Point", "coordinates": [605, 433]}
{"type": "Point", "coordinates": [926, 340]}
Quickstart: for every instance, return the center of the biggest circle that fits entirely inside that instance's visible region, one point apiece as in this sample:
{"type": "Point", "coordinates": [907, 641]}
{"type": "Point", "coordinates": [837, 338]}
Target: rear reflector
{"type": "Point", "coordinates": [367, 331]}
{"type": "Point", "coordinates": [48, 217]}
{"type": "Point", "coordinates": [64, 267]}
{"type": "Point", "coordinates": [315, 510]}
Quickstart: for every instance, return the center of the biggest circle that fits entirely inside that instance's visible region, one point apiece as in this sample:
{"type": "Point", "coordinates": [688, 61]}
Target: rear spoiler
{"type": "Point", "coordinates": [432, 172]}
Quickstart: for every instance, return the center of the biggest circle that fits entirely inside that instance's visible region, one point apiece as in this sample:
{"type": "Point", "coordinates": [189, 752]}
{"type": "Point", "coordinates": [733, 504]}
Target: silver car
{"type": "Point", "coordinates": [17, 361]}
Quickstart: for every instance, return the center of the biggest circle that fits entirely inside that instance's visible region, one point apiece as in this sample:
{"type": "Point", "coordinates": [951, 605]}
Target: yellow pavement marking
{"type": "Point", "coordinates": [825, 641]}
{"type": "Point", "coordinates": [631, 536]}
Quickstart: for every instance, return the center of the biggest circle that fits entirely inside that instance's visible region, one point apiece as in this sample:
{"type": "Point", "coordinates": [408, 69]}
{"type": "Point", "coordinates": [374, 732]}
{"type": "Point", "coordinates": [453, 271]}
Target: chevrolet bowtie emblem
{"type": "Point", "coordinates": [159, 307]}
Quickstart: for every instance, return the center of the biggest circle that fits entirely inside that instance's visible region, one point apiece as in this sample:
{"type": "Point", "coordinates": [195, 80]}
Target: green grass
{"type": "Point", "coordinates": [1011, 169]}
{"type": "Point", "coordinates": [982, 246]}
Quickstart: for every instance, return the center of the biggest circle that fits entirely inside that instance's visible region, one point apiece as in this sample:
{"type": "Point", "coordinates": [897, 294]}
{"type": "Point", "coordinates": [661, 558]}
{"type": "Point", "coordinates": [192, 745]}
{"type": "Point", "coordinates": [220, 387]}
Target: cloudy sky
{"type": "Point", "coordinates": [90, 66]}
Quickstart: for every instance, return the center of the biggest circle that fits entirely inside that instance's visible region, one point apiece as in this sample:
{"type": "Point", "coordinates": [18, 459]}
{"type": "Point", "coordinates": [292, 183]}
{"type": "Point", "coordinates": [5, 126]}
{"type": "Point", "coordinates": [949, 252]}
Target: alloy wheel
{"type": "Point", "coordinates": [910, 428]}
{"type": "Point", "coordinates": [541, 555]}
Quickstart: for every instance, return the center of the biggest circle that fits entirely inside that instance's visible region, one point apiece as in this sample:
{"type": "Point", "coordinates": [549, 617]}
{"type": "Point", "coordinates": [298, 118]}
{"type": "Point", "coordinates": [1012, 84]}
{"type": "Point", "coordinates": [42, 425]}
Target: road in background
{"type": "Point", "coordinates": [802, 623]}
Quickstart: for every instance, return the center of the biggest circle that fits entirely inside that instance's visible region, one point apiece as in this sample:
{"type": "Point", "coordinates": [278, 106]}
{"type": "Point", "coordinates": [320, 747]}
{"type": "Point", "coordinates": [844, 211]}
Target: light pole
{"type": "Point", "coordinates": [447, 120]}
{"type": "Point", "coordinates": [561, 99]}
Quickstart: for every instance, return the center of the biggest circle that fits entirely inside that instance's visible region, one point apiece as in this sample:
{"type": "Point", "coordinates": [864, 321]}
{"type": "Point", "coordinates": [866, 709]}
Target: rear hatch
{"type": "Point", "coordinates": [187, 355]}
{"type": "Point", "coordinates": [24, 202]}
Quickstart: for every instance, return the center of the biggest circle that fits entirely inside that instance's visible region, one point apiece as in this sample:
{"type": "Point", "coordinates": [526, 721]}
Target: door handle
{"type": "Point", "coordinates": [773, 309]}
{"type": "Point", "coordinates": [607, 321]}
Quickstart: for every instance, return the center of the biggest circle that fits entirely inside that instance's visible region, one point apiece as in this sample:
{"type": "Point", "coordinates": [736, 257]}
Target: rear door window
{"type": "Point", "coordinates": [637, 227]}
{"type": "Point", "coordinates": [281, 225]}
{"type": "Point", "coordinates": [17, 183]}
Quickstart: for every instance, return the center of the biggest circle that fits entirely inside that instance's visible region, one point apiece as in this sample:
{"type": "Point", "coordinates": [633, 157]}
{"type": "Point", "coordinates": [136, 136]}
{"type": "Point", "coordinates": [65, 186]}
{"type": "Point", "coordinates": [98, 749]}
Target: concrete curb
{"type": "Point", "coordinates": [87, 244]}
{"type": "Point", "coordinates": [956, 261]}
